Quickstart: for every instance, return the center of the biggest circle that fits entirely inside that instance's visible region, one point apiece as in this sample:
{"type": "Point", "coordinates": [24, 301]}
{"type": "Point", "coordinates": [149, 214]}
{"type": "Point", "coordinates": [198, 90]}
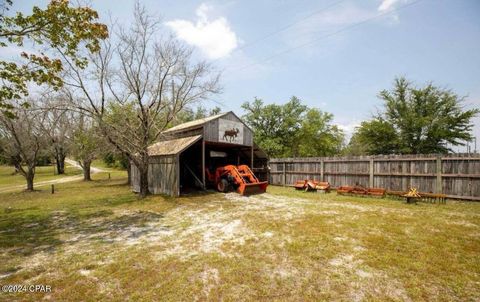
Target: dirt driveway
{"type": "Point", "coordinates": [53, 181]}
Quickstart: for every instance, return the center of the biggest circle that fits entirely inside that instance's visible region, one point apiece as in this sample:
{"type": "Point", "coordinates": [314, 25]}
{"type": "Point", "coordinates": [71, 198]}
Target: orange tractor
{"type": "Point", "coordinates": [239, 178]}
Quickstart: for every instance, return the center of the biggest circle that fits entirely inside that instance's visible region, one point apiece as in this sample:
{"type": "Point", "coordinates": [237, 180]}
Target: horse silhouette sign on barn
{"type": "Point", "coordinates": [230, 131]}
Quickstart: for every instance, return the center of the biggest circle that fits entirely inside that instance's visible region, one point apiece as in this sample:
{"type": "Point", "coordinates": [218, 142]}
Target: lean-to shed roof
{"type": "Point", "coordinates": [173, 146]}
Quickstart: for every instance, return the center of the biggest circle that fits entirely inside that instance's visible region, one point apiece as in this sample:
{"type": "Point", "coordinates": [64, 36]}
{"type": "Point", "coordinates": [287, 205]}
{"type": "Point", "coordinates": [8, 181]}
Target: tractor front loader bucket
{"type": "Point", "coordinates": [247, 189]}
{"type": "Point", "coordinates": [242, 178]}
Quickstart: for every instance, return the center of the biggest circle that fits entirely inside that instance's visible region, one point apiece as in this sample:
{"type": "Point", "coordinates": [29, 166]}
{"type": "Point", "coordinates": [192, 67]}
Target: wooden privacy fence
{"type": "Point", "coordinates": [456, 175]}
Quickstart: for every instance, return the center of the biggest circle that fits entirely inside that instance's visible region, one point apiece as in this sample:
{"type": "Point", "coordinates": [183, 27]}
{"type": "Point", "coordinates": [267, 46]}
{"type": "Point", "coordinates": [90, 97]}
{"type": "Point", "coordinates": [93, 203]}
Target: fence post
{"type": "Point", "coordinates": [322, 170]}
{"type": "Point", "coordinates": [370, 170]}
{"type": "Point", "coordinates": [439, 175]}
{"type": "Point", "coordinates": [284, 175]}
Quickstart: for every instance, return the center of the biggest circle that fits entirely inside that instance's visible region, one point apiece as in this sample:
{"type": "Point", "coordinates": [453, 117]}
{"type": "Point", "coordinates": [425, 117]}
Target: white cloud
{"type": "Point", "coordinates": [347, 125]}
{"type": "Point", "coordinates": [214, 38]}
{"type": "Point", "coordinates": [344, 15]}
{"type": "Point", "coordinates": [327, 22]}
{"type": "Point", "coordinates": [386, 5]}
{"type": "Point", "coordinates": [324, 24]}
{"type": "Point", "coordinates": [333, 19]}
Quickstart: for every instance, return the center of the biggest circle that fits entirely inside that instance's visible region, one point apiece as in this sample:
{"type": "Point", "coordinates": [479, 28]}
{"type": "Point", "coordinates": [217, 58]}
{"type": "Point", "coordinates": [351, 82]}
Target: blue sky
{"type": "Point", "coordinates": [334, 55]}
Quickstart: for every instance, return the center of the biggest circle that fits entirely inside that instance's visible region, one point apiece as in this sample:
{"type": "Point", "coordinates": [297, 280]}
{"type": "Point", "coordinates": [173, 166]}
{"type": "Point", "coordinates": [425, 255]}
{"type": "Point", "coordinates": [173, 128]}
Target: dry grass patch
{"type": "Point", "coordinates": [97, 240]}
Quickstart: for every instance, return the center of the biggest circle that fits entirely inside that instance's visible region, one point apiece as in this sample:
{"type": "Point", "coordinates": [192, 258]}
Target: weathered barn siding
{"type": "Point", "coordinates": [162, 175]}
{"type": "Point", "coordinates": [135, 181]}
{"type": "Point", "coordinates": [211, 130]}
{"type": "Point", "coordinates": [457, 175]}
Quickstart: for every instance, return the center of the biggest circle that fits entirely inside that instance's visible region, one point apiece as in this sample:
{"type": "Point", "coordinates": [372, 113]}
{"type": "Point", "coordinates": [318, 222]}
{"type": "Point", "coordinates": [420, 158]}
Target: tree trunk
{"type": "Point", "coordinates": [60, 159]}
{"type": "Point", "coordinates": [86, 170]}
{"type": "Point", "coordinates": [143, 173]}
{"type": "Point", "coordinates": [29, 177]}
{"type": "Point", "coordinates": [129, 173]}
{"type": "Point", "coordinates": [16, 161]}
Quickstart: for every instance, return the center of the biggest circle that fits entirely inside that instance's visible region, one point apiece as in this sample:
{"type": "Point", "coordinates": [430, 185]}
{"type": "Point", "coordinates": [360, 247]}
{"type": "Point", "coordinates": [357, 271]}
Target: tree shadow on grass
{"type": "Point", "coordinates": [24, 233]}
{"type": "Point", "coordinates": [29, 231]}
{"type": "Point", "coordinates": [124, 227]}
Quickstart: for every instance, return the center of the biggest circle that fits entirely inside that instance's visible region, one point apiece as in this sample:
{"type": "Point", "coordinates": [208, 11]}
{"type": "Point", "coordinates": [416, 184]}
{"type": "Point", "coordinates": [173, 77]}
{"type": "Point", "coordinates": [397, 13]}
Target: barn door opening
{"type": "Point", "coordinates": [191, 169]}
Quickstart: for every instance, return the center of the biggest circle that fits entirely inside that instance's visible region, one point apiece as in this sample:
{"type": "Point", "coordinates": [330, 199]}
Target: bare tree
{"type": "Point", "coordinates": [57, 125]}
{"type": "Point", "coordinates": [137, 85]}
{"type": "Point", "coordinates": [86, 144]}
{"type": "Point", "coordinates": [24, 140]}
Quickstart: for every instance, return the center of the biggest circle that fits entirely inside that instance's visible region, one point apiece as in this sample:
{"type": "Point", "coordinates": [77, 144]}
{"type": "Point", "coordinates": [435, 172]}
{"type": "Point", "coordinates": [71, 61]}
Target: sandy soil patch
{"type": "Point", "coordinates": [220, 227]}
{"type": "Point", "coordinates": [210, 278]}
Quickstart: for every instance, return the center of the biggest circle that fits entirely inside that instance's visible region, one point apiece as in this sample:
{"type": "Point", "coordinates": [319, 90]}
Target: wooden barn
{"type": "Point", "coordinates": [178, 162]}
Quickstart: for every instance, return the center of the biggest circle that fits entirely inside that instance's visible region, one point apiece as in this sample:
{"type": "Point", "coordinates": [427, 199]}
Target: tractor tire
{"type": "Point", "coordinates": [222, 186]}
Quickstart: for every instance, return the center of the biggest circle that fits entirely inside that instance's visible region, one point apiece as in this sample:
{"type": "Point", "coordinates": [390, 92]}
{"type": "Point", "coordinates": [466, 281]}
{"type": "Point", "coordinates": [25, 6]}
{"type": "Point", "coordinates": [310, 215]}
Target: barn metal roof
{"type": "Point", "coordinates": [195, 123]}
{"type": "Point", "coordinates": [173, 146]}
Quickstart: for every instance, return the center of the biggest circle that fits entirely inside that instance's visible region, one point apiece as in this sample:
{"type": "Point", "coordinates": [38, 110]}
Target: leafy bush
{"type": "Point", "coordinates": [109, 159]}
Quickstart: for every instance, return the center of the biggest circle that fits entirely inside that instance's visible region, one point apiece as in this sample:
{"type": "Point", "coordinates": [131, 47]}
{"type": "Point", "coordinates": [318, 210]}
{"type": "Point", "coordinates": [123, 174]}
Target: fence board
{"type": "Point", "coordinates": [457, 175]}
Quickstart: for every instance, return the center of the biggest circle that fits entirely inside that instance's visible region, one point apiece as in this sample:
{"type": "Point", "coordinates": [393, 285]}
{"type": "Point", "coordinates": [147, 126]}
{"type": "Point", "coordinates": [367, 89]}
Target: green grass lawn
{"type": "Point", "coordinates": [99, 163]}
{"type": "Point", "coordinates": [43, 173]}
{"type": "Point", "coordinates": [95, 241]}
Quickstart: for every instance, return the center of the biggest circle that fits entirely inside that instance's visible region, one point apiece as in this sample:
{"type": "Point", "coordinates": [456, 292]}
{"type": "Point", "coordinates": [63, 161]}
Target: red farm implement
{"type": "Point", "coordinates": [312, 185]}
{"type": "Point", "coordinates": [361, 191]}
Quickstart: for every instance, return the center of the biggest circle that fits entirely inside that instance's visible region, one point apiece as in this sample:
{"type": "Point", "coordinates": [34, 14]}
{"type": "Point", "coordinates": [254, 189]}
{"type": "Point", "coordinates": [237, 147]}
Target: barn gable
{"type": "Point", "coordinates": [216, 130]}
{"type": "Point", "coordinates": [225, 128]}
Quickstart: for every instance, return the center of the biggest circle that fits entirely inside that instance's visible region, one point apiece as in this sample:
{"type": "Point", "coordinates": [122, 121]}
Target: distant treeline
{"type": "Point", "coordinates": [413, 121]}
